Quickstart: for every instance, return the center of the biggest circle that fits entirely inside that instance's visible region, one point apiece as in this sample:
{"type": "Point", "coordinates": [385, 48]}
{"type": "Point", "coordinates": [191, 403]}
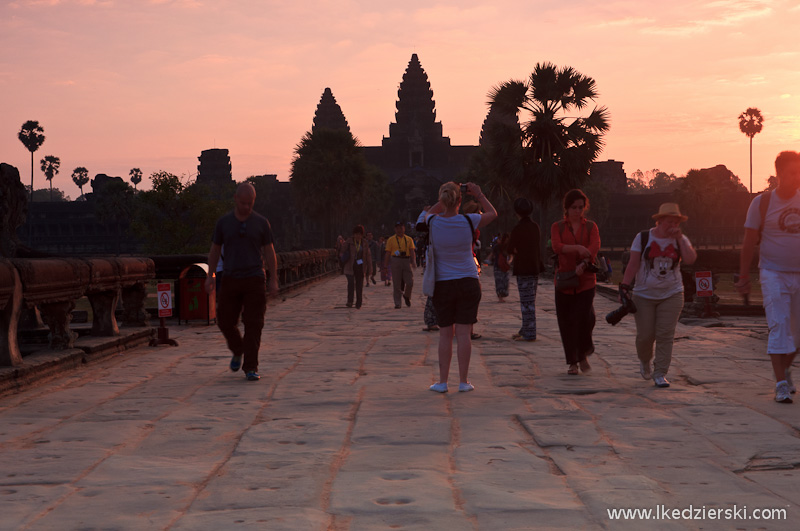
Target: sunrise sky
{"type": "Point", "coordinates": [151, 83]}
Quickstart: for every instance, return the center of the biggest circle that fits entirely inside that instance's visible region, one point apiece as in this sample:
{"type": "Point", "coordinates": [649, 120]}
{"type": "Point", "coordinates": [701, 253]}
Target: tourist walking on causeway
{"type": "Point", "coordinates": [501, 267]}
{"type": "Point", "coordinates": [374, 249]}
{"type": "Point", "coordinates": [656, 255]}
{"type": "Point", "coordinates": [247, 237]}
{"type": "Point", "coordinates": [457, 290]}
{"type": "Point", "coordinates": [775, 217]}
{"type": "Point", "coordinates": [400, 258]}
{"type": "Point", "coordinates": [523, 246]}
{"type": "Point", "coordinates": [357, 266]}
{"type": "Point", "coordinates": [576, 242]}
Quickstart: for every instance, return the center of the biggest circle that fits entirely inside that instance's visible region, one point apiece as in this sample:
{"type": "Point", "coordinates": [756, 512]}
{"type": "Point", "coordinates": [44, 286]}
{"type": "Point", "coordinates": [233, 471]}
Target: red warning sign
{"type": "Point", "coordinates": [705, 287]}
{"type": "Point", "coordinates": [164, 300]}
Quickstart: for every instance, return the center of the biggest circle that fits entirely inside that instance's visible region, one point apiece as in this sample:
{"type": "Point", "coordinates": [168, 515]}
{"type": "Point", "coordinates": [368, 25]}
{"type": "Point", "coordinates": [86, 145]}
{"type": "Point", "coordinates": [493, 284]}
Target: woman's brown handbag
{"type": "Point", "coordinates": [567, 280]}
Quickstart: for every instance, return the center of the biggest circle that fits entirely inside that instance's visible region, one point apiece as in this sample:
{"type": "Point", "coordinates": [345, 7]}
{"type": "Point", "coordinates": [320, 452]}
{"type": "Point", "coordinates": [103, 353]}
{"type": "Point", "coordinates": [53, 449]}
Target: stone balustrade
{"type": "Point", "coordinates": [53, 285]}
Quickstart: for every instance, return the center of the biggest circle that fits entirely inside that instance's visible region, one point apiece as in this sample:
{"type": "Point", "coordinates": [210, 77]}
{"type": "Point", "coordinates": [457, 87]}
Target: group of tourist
{"type": "Point", "coordinates": [651, 288]}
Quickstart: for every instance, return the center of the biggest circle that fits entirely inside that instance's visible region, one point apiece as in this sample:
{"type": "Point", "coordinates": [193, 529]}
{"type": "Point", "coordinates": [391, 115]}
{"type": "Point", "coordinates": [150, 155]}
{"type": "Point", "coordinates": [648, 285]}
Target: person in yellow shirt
{"type": "Point", "coordinates": [400, 257]}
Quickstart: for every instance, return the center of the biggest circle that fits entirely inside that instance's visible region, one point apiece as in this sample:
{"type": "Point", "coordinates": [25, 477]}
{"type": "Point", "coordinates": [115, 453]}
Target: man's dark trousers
{"type": "Point", "coordinates": [248, 297]}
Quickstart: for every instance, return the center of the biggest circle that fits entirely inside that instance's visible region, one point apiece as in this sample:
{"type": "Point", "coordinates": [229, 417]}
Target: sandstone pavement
{"type": "Point", "coordinates": [341, 433]}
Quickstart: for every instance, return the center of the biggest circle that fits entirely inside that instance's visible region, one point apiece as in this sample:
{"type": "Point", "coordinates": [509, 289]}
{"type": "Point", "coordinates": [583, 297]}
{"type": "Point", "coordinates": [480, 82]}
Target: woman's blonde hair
{"type": "Point", "coordinates": [450, 194]}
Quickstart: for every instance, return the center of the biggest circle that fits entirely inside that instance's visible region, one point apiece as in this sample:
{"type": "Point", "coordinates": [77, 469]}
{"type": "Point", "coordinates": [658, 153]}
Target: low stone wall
{"type": "Point", "coordinates": [51, 286]}
{"type": "Point", "coordinates": [295, 269]}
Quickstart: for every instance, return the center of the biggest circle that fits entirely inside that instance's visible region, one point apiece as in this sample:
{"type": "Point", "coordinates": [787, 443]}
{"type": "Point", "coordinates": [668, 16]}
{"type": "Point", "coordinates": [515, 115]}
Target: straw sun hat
{"type": "Point", "coordinates": [669, 209]}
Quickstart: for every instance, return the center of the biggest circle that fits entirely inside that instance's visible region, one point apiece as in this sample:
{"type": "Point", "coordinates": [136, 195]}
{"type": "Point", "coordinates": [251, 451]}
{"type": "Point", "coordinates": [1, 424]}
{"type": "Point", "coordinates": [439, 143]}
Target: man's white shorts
{"type": "Point", "coordinates": [781, 292]}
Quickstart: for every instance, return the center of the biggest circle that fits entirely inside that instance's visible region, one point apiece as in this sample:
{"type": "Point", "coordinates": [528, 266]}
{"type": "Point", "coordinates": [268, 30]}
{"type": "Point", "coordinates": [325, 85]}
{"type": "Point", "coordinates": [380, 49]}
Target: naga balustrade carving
{"type": "Point", "coordinates": [53, 285]}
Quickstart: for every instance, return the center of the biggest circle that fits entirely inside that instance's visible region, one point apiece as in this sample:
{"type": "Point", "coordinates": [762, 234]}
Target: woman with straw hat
{"type": "Point", "coordinates": [656, 255]}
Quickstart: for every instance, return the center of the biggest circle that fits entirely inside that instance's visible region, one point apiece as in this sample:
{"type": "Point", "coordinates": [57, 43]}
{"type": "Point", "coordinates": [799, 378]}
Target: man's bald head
{"type": "Point", "coordinates": [244, 199]}
{"type": "Point", "coordinates": [245, 190]}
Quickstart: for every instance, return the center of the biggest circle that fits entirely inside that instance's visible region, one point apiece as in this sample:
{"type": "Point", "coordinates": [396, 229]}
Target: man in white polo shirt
{"type": "Point", "coordinates": [774, 216]}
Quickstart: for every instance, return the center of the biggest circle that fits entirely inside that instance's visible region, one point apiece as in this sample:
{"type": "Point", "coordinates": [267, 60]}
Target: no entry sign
{"type": "Point", "coordinates": [705, 287]}
{"type": "Point", "coordinates": [164, 300]}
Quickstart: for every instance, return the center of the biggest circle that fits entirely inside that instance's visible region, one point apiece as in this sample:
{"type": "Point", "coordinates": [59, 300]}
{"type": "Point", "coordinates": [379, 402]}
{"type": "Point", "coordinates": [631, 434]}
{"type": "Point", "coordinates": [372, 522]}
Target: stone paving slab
{"type": "Point", "coordinates": [341, 432]}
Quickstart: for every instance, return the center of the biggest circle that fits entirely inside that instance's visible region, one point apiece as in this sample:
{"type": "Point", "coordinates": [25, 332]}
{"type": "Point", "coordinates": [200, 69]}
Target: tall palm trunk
{"type": "Point", "coordinates": [31, 176]}
{"type": "Point", "coordinates": [751, 164]}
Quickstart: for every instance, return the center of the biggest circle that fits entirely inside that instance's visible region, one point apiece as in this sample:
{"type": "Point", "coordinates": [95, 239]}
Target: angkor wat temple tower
{"type": "Point", "coordinates": [329, 115]}
{"type": "Point", "coordinates": [416, 156]}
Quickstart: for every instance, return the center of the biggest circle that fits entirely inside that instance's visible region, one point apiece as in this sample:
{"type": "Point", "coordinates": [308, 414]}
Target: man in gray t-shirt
{"type": "Point", "coordinates": [774, 217]}
{"type": "Point", "coordinates": [247, 237]}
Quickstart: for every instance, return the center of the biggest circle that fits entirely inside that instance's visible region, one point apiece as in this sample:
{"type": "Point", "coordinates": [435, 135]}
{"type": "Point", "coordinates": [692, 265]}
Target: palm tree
{"type": "Point", "coordinates": [50, 165]}
{"type": "Point", "coordinates": [136, 177]}
{"type": "Point", "coordinates": [32, 137]}
{"type": "Point", "coordinates": [750, 123]}
{"type": "Point", "coordinates": [558, 146]}
{"type": "Point", "coordinates": [80, 176]}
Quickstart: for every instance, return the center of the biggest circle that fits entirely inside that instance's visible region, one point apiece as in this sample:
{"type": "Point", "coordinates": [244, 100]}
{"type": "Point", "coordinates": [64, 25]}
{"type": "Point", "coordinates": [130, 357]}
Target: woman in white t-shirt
{"type": "Point", "coordinates": [658, 291]}
{"type": "Point", "coordinates": [457, 291]}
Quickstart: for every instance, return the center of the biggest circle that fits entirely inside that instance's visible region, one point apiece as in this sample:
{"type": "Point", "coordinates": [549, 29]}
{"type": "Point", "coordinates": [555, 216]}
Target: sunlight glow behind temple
{"type": "Point", "coordinates": [151, 84]}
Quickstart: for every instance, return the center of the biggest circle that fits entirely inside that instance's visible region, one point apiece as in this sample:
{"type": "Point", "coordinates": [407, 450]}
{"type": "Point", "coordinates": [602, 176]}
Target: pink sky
{"type": "Point", "coordinates": [150, 84]}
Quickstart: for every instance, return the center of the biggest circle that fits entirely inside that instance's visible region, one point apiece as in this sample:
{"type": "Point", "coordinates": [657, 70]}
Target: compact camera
{"type": "Point", "coordinates": [464, 189]}
{"type": "Point", "coordinates": [627, 307]}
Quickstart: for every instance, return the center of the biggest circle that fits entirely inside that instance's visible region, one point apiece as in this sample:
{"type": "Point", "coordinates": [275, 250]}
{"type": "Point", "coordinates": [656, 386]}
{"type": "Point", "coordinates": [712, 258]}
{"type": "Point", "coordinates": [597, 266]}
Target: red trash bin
{"type": "Point", "coordinates": [194, 302]}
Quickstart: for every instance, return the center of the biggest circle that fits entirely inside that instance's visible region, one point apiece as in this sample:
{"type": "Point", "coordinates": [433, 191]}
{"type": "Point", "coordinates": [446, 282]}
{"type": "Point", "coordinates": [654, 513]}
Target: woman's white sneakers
{"type": "Point", "coordinates": [783, 392]}
{"type": "Point", "coordinates": [441, 387]}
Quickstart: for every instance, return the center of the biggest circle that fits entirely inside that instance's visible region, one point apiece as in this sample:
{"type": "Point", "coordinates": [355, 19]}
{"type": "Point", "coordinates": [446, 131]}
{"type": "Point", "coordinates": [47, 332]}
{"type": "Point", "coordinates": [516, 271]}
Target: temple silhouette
{"type": "Point", "coordinates": [416, 156]}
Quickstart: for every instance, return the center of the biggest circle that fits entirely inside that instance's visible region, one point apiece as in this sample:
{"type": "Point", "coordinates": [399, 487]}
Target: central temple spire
{"type": "Point", "coordinates": [416, 114]}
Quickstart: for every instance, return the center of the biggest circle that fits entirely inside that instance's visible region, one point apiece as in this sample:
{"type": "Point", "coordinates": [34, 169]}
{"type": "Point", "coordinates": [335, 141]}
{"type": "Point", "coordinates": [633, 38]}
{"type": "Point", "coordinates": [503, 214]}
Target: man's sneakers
{"type": "Point", "coordinates": [660, 380]}
{"type": "Point", "coordinates": [788, 374]}
{"type": "Point", "coordinates": [783, 392]}
{"type": "Point", "coordinates": [408, 300]}
{"type": "Point", "coordinates": [644, 370]}
{"type": "Point", "coordinates": [236, 363]}
{"type": "Point", "coordinates": [252, 376]}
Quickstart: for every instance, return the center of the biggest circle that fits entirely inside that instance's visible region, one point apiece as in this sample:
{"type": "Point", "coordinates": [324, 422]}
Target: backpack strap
{"type": "Point", "coordinates": [763, 206]}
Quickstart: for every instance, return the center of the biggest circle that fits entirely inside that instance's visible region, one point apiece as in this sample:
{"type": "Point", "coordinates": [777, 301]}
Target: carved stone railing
{"type": "Point", "coordinates": [295, 268]}
{"type": "Point", "coordinates": [53, 285]}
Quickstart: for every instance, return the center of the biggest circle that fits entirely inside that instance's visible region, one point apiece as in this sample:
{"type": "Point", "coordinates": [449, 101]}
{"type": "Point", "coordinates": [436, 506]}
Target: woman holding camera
{"type": "Point", "coordinates": [656, 255]}
{"type": "Point", "coordinates": [457, 291]}
{"type": "Point", "coordinates": [576, 241]}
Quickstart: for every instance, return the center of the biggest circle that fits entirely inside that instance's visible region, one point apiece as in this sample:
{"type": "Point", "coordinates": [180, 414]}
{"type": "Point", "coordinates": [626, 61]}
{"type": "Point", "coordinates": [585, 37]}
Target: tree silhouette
{"type": "Point", "coordinates": [32, 137]}
{"type": "Point", "coordinates": [330, 177]}
{"type": "Point", "coordinates": [136, 177]}
{"type": "Point", "coordinates": [50, 165]}
{"type": "Point", "coordinates": [80, 176]}
{"type": "Point", "coordinates": [750, 123]}
{"type": "Point", "coordinates": [113, 204]}
{"type": "Point", "coordinates": [558, 147]}
{"type": "Point", "coordinates": [189, 212]}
